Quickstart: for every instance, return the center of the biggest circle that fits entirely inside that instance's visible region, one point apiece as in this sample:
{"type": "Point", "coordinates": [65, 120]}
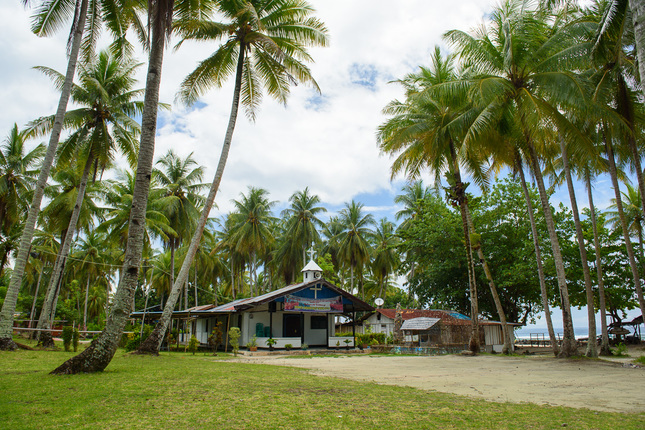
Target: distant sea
{"type": "Point", "coordinates": [580, 333]}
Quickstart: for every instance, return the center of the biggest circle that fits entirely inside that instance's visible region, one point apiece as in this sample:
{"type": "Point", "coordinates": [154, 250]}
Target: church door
{"type": "Point", "coordinates": [292, 325]}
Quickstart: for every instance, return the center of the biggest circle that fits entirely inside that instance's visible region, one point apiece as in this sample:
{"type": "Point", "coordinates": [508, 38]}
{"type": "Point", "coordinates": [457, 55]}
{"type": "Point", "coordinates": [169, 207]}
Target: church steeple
{"type": "Point", "coordinates": [311, 271]}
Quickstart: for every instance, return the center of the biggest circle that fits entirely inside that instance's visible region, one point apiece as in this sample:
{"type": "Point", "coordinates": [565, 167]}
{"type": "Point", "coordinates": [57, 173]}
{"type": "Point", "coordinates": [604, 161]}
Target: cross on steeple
{"type": "Point", "coordinates": [311, 252]}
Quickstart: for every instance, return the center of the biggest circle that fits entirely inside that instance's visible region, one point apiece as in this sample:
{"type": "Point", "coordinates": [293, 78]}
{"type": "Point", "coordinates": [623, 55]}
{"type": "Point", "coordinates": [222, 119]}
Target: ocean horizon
{"type": "Point", "coordinates": [579, 332]}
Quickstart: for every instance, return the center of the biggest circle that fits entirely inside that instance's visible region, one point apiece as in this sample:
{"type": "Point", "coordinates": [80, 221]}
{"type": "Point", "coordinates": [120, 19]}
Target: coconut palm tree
{"type": "Point", "coordinates": [302, 222]}
{"type": "Point", "coordinates": [386, 258]}
{"type": "Point", "coordinates": [426, 132]}
{"type": "Point", "coordinates": [250, 231]}
{"type": "Point", "coordinates": [354, 249]}
{"type": "Point", "coordinates": [265, 42]}
{"type": "Point", "coordinates": [180, 179]}
{"type": "Point", "coordinates": [520, 66]}
{"type": "Point", "coordinates": [100, 353]}
{"type": "Point", "coordinates": [102, 124]}
{"type": "Point", "coordinates": [18, 171]}
{"type": "Point", "coordinates": [119, 16]}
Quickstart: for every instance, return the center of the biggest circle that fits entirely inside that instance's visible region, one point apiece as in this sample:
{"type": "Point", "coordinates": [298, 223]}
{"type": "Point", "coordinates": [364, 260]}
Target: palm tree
{"type": "Point", "coordinates": [181, 181]}
{"type": "Point", "coordinates": [386, 258]}
{"type": "Point", "coordinates": [520, 70]}
{"type": "Point", "coordinates": [119, 15]}
{"type": "Point", "coordinates": [302, 221]}
{"type": "Point", "coordinates": [102, 124]}
{"type": "Point", "coordinates": [118, 196]}
{"type": "Point", "coordinates": [100, 353]}
{"type": "Point", "coordinates": [266, 44]}
{"type": "Point", "coordinates": [17, 177]}
{"type": "Point", "coordinates": [250, 231]}
{"type": "Point", "coordinates": [426, 131]}
{"type": "Point", "coordinates": [354, 249]}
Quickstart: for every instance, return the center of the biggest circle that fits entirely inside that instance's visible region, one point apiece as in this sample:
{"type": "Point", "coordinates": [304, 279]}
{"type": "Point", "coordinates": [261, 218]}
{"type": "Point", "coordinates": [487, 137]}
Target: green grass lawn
{"type": "Point", "coordinates": [182, 391]}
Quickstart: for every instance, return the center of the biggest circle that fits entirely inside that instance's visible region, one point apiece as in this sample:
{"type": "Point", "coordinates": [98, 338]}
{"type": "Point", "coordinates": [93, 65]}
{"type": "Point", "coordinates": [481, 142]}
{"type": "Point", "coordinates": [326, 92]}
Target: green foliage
{"type": "Point", "coordinates": [75, 339]}
{"type": "Point", "coordinates": [253, 342]}
{"type": "Point", "coordinates": [640, 360]}
{"type": "Point", "coordinates": [234, 339]}
{"type": "Point", "coordinates": [271, 341]}
{"type": "Point", "coordinates": [370, 338]}
{"type": "Point", "coordinates": [620, 350]}
{"type": "Point", "coordinates": [216, 337]}
{"type": "Point", "coordinates": [327, 265]}
{"type": "Point", "coordinates": [288, 346]}
{"type": "Point", "coordinates": [67, 335]}
{"type": "Point", "coordinates": [304, 347]}
{"type": "Point", "coordinates": [193, 344]}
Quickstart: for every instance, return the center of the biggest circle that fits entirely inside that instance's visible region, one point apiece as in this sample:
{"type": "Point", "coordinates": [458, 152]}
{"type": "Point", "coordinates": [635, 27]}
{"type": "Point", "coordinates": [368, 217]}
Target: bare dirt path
{"type": "Point", "coordinates": [613, 386]}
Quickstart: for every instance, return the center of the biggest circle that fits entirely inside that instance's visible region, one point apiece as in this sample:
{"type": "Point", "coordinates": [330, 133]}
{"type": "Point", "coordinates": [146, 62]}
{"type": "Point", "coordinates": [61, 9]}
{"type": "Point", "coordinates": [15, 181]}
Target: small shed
{"type": "Point", "coordinates": [425, 331]}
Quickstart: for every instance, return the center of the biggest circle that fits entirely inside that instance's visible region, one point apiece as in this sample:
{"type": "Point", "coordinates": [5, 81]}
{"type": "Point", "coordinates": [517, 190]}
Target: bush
{"type": "Point", "coordinates": [68, 333]}
{"type": "Point", "coordinates": [193, 344]}
{"type": "Point", "coordinates": [620, 350]}
{"type": "Point", "coordinates": [288, 346]}
{"type": "Point", "coordinates": [132, 342]}
{"type": "Point", "coordinates": [75, 337]}
{"type": "Point", "coordinates": [234, 339]}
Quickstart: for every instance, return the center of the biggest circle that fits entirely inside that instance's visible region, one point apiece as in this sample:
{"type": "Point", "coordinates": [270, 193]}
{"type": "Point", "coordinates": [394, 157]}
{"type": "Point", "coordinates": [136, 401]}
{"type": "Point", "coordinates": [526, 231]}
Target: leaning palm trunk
{"type": "Point", "coordinates": [538, 256]}
{"type": "Point", "coordinates": [152, 344]}
{"type": "Point", "coordinates": [592, 350]}
{"type": "Point", "coordinates": [623, 222]}
{"type": "Point", "coordinates": [87, 296]}
{"type": "Point", "coordinates": [49, 307]}
{"type": "Point", "coordinates": [569, 346]}
{"type": "Point", "coordinates": [11, 298]}
{"type": "Point", "coordinates": [604, 344]}
{"type": "Point", "coordinates": [508, 345]}
{"type": "Point", "coordinates": [100, 353]}
{"type": "Point", "coordinates": [461, 200]}
{"type": "Point", "coordinates": [33, 305]}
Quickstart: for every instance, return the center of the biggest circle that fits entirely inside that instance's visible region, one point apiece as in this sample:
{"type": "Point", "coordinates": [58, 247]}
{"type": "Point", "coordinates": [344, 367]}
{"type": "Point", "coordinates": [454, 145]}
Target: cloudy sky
{"type": "Point", "coordinates": [322, 141]}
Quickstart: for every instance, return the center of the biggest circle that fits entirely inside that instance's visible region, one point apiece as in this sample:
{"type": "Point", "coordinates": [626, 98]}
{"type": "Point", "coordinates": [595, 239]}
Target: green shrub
{"type": "Point", "coordinates": [620, 350]}
{"type": "Point", "coordinates": [75, 337]}
{"type": "Point", "coordinates": [288, 346]}
{"type": "Point", "coordinates": [68, 333]}
{"type": "Point", "coordinates": [640, 360]}
{"type": "Point", "coordinates": [132, 342]}
{"type": "Point", "coordinates": [234, 339]}
{"type": "Point", "coordinates": [193, 344]}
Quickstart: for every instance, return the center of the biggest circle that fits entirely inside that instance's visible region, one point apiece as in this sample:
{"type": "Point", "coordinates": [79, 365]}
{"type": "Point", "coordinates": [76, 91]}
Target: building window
{"type": "Point", "coordinates": [318, 322]}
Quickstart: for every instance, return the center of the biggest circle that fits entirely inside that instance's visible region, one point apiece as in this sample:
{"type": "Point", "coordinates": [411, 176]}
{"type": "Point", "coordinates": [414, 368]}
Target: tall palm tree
{"type": "Point", "coordinates": [18, 171]}
{"type": "Point", "coordinates": [426, 132]}
{"type": "Point", "coordinates": [103, 124]}
{"type": "Point", "coordinates": [100, 353]}
{"type": "Point", "coordinates": [250, 231]}
{"type": "Point", "coordinates": [265, 42]}
{"type": "Point", "coordinates": [119, 16]}
{"type": "Point", "coordinates": [386, 258]}
{"type": "Point", "coordinates": [354, 249]}
{"type": "Point", "coordinates": [181, 180]}
{"type": "Point", "coordinates": [302, 222]}
{"type": "Point", "coordinates": [520, 66]}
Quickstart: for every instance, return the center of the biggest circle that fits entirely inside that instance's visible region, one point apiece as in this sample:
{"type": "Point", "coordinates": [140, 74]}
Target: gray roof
{"type": "Point", "coordinates": [421, 323]}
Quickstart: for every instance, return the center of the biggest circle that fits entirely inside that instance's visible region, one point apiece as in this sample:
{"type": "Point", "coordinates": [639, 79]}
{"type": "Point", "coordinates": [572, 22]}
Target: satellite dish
{"type": "Point", "coordinates": [379, 301]}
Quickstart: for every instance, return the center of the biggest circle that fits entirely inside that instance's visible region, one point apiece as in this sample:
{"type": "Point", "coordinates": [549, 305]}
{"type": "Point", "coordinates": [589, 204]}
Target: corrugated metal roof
{"type": "Point", "coordinates": [420, 323]}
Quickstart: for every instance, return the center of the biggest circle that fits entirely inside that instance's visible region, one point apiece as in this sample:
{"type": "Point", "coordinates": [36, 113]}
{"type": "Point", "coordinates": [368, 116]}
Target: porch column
{"type": "Point", "coordinates": [327, 332]}
{"type": "Point", "coordinates": [354, 324]}
{"type": "Point", "coordinates": [302, 328]}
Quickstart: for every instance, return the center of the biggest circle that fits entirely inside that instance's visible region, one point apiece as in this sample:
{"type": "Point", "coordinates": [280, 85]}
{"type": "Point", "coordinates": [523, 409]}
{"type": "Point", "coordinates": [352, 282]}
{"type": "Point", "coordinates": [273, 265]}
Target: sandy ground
{"type": "Point", "coordinates": [603, 385]}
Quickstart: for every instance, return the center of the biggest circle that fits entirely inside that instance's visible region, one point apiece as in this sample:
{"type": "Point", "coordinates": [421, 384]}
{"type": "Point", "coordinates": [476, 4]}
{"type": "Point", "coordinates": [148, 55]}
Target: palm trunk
{"type": "Point", "coordinates": [508, 345]}
{"type": "Point", "coordinates": [195, 286]}
{"type": "Point", "coordinates": [569, 345]}
{"type": "Point", "coordinates": [100, 353]}
{"type": "Point", "coordinates": [153, 343]}
{"type": "Point", "coordinates": [592, 350]}
{"type": "Point", "coordinates": [604, 345]}
{"type": "Point", "coordinates": [11, 298]}
{"type": "Point", "coordinates": [33, 305]}
{"type": "Point", "coordinates": [55, 281]}
{"type": "Point", "coordinates": [538, 256]}
{"type": "Point", "coordinates": [625, 227]}
{"type": "Point", "coordinates": [87, 296]}
{"type": "Point", "coordinates": [460, 196]}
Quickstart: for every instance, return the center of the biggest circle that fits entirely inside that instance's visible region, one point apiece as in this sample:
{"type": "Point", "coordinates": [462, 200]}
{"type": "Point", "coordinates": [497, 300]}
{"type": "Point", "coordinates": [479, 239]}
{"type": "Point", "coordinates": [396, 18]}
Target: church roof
{"type": "Point", "coordinates": [312, 266]}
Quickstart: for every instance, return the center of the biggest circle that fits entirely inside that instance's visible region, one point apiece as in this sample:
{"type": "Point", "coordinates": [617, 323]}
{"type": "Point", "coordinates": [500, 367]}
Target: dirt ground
{"type": "Point", "coordinates": [612, 385]}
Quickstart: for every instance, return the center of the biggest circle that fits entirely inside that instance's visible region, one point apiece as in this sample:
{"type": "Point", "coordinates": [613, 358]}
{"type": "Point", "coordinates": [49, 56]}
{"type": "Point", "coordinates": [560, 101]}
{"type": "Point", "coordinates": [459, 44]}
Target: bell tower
{"type": "Point", "coordinates": [311, 271]}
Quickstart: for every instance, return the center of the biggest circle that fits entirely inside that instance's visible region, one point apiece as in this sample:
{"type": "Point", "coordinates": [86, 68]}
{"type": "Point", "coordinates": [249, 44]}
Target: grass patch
{"type": "Point", "coordinates": [640, 360]}
{"type": "Point", "coordinates": [178, 390]}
